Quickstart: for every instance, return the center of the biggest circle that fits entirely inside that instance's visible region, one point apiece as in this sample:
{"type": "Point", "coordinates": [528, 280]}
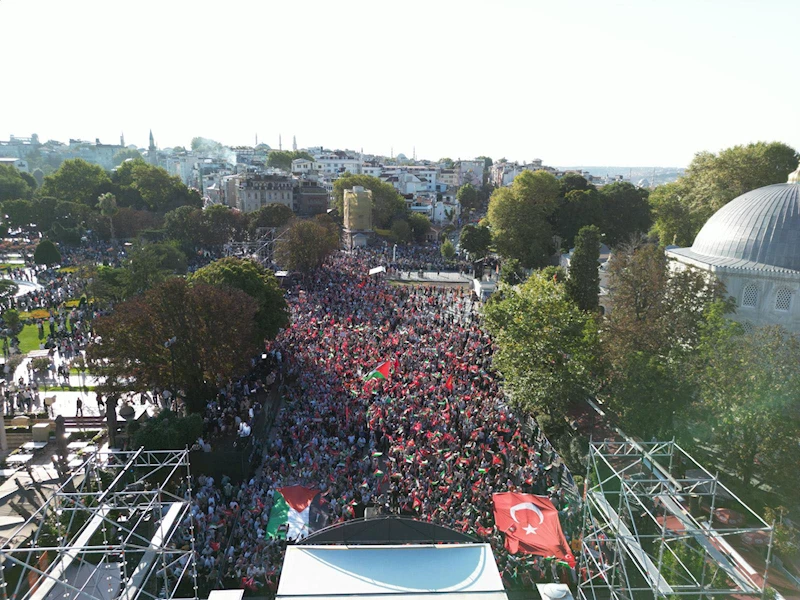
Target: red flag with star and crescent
{"type": "Point", "coordinates": [531, 525]}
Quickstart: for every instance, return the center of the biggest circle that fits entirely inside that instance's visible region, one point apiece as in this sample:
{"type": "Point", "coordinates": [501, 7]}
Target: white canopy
{"type": "Point", "coordinates": [378, 572]}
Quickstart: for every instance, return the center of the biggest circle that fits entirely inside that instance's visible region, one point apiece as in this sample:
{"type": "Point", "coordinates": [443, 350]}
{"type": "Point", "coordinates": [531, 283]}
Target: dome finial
{"type": "Point", "coordinates": [795, 177]}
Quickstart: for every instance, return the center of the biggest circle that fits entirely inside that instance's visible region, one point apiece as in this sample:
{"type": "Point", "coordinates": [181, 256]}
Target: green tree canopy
{"type": "Point", "coordinates": [19, 213]}
{"type": "Point", "coordinates": [576, 209]}
{"type": "Point", "coordinates": [168, 431]}
{"type": "Point", "coordinates": [713, 180]}
{"type": "Point", "coordinates": [467, 196]}
{"type": "Point", "coordinates": [77, 181]}
{"type": "Point", "coordinates": [419, 225]}
{"type": "Point", "coordinates": [583, 284]}
{"type": "Point", "coordinates": [519, 218]}
{"type": "Point", "coordinates": [306, 245]}
{"type": "Point", "coordinates": [546, 346]}
{"type": "Point", "coordinates": [387, 202]}
{"type": "Point", "coordinates": [186, 226]}
{"type": "Point", "coordinates": [255, 281]}
{"type": "Point", "coordinates": [750, 403]}
{"type": "Point", "coordinates": [476, 240]}
{"type": "Point", "coordinates": [653, 335]}
{"type": "Point", "coordinates": [46, 253]}
{"type": "Point", "coordinates": [447, 250]}
{"type": "Point", "coordinates": [282, 159]}
{"type": "Point", "coordinates": [107, 205]}
{"type": "Point", "coordinates": [626, 212]}
{"type": "Point", "coordinates": [12, 185]}
{"type": "Point", "coordinates": [122, 155]}
{"type": "Point", "coordinates": [144, 186]}
{"type": "Point", "coordinates": [214, 331]}
{"type": "Point", "coordinates": [271, 215]}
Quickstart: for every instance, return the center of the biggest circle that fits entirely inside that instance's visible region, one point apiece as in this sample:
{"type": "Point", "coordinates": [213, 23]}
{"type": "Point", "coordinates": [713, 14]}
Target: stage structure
{"type": "Point", "coordinates": [656, 524]}
{"type": "Point", "coordinates": [262, 248]}
{"type": "Point", "coordinates": [109, 532]}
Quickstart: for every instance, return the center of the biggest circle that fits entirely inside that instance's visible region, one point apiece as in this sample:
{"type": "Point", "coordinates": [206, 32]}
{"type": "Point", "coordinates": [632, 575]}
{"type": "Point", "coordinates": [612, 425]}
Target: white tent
{"type": "Point", "coordinates": [447, 571]}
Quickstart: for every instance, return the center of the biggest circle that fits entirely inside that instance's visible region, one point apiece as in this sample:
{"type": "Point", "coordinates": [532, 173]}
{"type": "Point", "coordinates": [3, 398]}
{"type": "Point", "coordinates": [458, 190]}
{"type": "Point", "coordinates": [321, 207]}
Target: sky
{"type": "Point", "coordinates": [573, 82]}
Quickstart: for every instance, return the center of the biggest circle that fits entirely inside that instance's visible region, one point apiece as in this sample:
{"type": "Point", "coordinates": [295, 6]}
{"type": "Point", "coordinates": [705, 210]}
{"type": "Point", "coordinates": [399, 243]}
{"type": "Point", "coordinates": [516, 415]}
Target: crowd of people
{"type": "Point", "coordinates": [434, 440]}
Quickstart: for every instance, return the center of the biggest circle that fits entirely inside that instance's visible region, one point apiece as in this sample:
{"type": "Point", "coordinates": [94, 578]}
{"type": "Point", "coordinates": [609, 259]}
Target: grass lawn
{"type": "Point", "coordinates": [28, 339]}
{"type": "Point", "coordinates": [4, 266]}
{"type": "Point", "coordinates": [62, 388]}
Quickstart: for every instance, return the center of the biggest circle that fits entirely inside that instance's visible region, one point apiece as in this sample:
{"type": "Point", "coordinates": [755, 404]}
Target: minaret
{"type": "Point", "coordinates": [280, 145]}
{"type": "Point", "coordinates": [294, 143]}
{"type": "Point", "coordinates": [122, 140]}
{"type": "Point", "coordinates": [151, 151]}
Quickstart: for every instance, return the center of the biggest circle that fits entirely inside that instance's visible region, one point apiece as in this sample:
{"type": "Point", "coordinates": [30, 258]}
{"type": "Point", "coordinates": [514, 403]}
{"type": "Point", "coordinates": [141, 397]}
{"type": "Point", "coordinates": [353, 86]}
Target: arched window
{"type": "Point", "coordinates": [783, 299]}
{"type": "Point", "coordinates": [750, 296]}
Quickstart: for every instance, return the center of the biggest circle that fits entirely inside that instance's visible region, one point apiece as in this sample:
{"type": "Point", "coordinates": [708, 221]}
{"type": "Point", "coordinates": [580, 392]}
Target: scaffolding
{"type": "Point", "coordinates": [656, 524]}
{"type": "Point", "coordinates": [262, 248]}
{"type": "Point", "coordinates": [119, 527]}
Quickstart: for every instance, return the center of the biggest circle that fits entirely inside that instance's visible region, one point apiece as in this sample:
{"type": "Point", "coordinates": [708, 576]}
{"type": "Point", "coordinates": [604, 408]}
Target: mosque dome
{"type": "Point", "coordinates": [759, 229]}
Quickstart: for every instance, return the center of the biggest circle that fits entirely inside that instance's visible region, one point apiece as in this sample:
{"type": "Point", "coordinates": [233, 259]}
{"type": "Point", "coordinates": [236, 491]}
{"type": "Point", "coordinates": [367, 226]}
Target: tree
{"type": "Point", "coordinates": [76, 181]}
{"type": "Point", "coordinates": [625, 212]}
{"type": "Point", "coordinates": [12, 320]}
{"type": "Point", "coordinates": [125, 154]}
{"type": "Point", "coordinates": [271, 215]}
{"type": "Point", "coordinates": [673, 221]}
{"type": "Point", "coordinates": [545, 346]}
{"type": "Point", "coordinates": [306, 246]}
{"type": "Point", "coordinates": [46, 253]}
{"type": "Point", "coordinates": [12, 185]}
{"type": "Point", "coordinates": [144, 186]}
{"type": "Point", "coordinates": [107, 205]}
{"type": "Point", "coordinates": [583, 284]}
{"type": "Point", "coordinates": [38, 175]}
{"type": "Point", "coordinates": [282, 159]}
{"type": "Point", "coordinates": [168, 431]}
{"type": "Point", "coordinates": [401, 231]}
{"type": "Point", "coordinates": [577, 208]}
{"type": "Point", "coordinates": [109, 285]}
{"type": "Point", "coordinates": [150, 264]}
{"type": "Point", "coordinates": [446, 163]}
{"type": "Point", "coordinates": [750, 403]}
{"type": "Point", "coordinates": [387, 202]}
{"type": "Point", "coordinates": [653, 335]}
{"type": "Point", "coordinates": [214, 339]}
{"type": "Point", "coordinates": [511, 272]}
{"type": "Point", "coordinates": [467, 196]}
{"type": "Point", "coordinates": [447, 250]}
{"type": "Point", "coordinates": [186, 226]}
{"type": "Point", "coordinates": [222, 225]}
{"type": "Point", "coordinates": [519, 218]}
{"type": "Point", "coordinates": [19, 213]}
{"type": "Point", "coordinates": [419, 225]}
{"type": "Point", "coordinates": [257, 282]}
{"type": "Point", "coordinates": [713, 180]}
{"type": "Point", "coordinates": [476, 240]}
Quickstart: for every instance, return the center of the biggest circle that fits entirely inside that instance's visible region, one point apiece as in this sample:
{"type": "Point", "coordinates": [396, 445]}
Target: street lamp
{"type": "Point", "coordinates": [168, 344]}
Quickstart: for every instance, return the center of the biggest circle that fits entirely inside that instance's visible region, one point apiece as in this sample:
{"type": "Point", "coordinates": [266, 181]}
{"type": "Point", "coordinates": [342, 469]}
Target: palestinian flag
{"type": "Point", "coordinates": [379, 372]}
{"type": "Point", "coordinates": [296, 512]}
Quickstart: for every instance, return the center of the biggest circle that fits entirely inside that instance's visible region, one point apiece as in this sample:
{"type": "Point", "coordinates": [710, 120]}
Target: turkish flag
{"type": "Point", "coordinates": [449, 384]}
{"type": "Point", "coordinates": [531, 525]}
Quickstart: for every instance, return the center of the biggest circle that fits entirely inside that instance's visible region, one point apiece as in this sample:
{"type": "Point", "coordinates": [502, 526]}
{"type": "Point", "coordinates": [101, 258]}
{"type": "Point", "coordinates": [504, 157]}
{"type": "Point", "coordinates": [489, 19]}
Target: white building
{"type": "Point", "coordinates": [752, 244]}
{"type": "Point", "coordinates": [470, 171]}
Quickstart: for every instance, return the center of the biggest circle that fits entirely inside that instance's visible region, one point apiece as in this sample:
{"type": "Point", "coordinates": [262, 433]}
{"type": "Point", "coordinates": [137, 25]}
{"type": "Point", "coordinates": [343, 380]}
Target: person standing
{"type": "Point", "coordinates": [79, 409]}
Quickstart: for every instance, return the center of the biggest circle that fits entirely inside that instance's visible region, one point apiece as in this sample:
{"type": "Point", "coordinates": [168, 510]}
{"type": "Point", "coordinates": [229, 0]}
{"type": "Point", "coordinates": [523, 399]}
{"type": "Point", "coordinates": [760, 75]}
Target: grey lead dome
{"type": "Point", "coordinates": [762, 226]}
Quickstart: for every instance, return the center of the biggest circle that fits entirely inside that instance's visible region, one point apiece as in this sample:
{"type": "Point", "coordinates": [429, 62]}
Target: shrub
{"type": "Point", "coordinates": [168, 431]}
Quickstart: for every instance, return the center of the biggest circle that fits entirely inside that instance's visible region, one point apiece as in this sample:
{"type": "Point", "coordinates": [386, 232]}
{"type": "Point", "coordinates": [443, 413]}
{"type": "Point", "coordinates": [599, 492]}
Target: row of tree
{"type": "Point", "coordinates": [666, 360]}
{"type": "Point", "coordinates": [539, 215]}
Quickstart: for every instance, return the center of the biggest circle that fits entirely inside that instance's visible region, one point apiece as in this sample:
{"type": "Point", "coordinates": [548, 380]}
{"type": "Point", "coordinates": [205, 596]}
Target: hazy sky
{"type": "Point", "coordinates": [589, 82]}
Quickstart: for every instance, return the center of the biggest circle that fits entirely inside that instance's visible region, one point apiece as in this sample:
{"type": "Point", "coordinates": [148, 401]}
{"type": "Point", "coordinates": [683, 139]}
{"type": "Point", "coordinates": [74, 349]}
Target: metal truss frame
{"type": "Point", "coordinates": [642, 538]}
{"type": "Point", "coordinates": [118, 510]}
{"type": "Point", "coordinates": [263, 247]}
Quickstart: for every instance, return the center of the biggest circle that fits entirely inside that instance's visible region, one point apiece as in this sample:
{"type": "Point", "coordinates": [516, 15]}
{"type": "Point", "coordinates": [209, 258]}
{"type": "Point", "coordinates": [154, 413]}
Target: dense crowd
{"type": "Point", "coordinates": [435, 440]}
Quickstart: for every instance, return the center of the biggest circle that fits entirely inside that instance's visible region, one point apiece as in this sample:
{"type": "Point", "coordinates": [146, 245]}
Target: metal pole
{"type": "Point", "coordinates": [769, 560]}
